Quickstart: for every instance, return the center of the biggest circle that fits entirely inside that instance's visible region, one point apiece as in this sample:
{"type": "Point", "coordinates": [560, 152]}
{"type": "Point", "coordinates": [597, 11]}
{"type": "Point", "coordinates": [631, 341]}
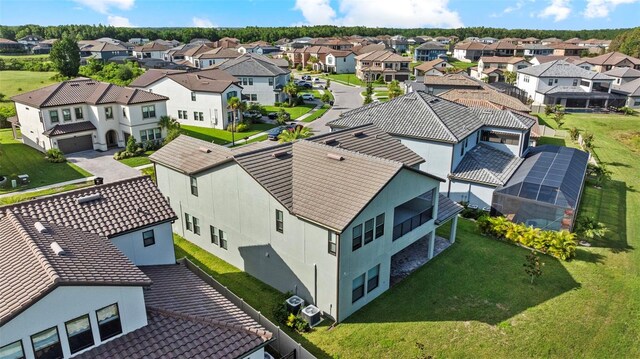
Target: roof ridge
{"type": "Point", "coordinates": [340, 149]}
{"type": "Point", "coordinates": [424, 101]}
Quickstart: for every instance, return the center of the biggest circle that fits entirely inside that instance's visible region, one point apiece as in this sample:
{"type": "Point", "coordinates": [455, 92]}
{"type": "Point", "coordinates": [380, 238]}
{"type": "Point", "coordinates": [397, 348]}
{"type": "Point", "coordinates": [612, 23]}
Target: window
{"type": "Point", "coordinates": [78, 111]}
{"type": "Point", "coordinates": [196, 226]}
{"type": "Point", "coordinates": [109, 322]}
{"type": "Point", "coordinates": [214, 235]}
{"type": "Point", "coordinates": [231, 94]}
{"type": "Point", "coordinates": [149, 111]}
{"type": "Point", "coordinates": [461, 149]}
{"type": "Point", "coordinates": [194, 186]}
{"type": "Point", "coordinates": [357, 290]}
{"type": "Point", "coordinates": [193, 96]}
{"type": "Point", "coordinates": [187, 222]}
{"type": "Point", "coordinates": [250, 81]}
{"type": "Point", "coordinates": [380, 225]}
{"type": "Point", "coordinates": [150, 134]}
{"type": "Point", "coordinates": [357, 237]}
{"type": "Point", "coordinates": [124, 113]}
{"type": "Point", "coordinates": [525, 78]}
{"type": "Point", "coordinates": [223, 239]}
{"type": "Point", "coordinates": [148, 238]}
{"type": "Point", "coordinates": [79, 333]}
{"type": "Point", "coordinates": [180, 114]}
{"type": "Point", "coordinates": [372, 278]}
{"type": "Point", "coordinates": [279, 221]}
{"type": "Point", "coordinates": [333, 245]}
{"type": "Point", "coordinates": [550, 82]}
{"type": "Point", "coordinates": [66, 115]}
{"type": "Point", "coordinates": [201, 116]}
{"type": "Point", "coordinates": [244, 81]}
{"type": "Point", "coordinates": [507, 139]}
{"type": "Point", "coordinates": [46, 344]}
{"type": "Point", "coordinates": [368, 231]}
{"type": "Point", "coordinates": [108, 112]}
{"type": "Point", "coordinates": [12, 351]}
{"type": "Point", "coordinates": [270, 81]}
{"type": "Point", "coordinates": [575, 82]}
{"type": "Point", "coordinates": [53, 115]}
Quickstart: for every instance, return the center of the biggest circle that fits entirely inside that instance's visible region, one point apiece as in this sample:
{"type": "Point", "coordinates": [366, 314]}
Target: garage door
{"type": "Point", "coordinates": [76, 144]}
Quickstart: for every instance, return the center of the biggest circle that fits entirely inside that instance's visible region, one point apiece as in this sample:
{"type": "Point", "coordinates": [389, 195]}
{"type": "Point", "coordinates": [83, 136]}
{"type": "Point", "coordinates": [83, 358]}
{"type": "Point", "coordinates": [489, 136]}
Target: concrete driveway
{"type": "Point", "coordinates": [345, 98]}
{"type": "Point", "coordinates": [102, 164]}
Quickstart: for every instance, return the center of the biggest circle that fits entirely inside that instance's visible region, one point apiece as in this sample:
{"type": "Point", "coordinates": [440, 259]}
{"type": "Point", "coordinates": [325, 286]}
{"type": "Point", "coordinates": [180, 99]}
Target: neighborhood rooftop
{"type": "Point", "coordinates": [562, 68]}
{"type": "Point", "coordinates": [485, 164]}
{"type": "Point", "coordinates": [211, 80]}
{"type": "Point", "coordinates": [251, 65]}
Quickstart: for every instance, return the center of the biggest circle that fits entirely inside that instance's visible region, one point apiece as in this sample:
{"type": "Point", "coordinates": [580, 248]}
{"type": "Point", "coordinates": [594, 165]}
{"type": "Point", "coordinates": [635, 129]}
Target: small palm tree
{"type": "Point", "coordinates": [168, 123]}
{"type": "Point", "coordinates": [295, 134]}
{"type": "Point", "coordinates": [235, 105]}
{"type": "Point", "coordinates": [291, 89]}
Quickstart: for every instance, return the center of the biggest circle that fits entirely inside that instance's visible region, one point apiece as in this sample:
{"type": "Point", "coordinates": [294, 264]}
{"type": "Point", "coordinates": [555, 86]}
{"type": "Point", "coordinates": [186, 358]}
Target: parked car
{"type": "Point", "coordinates": [306, 85]}
{"type": "Point", "coordinates": [274, 115]}
{"type": "Point", "coordinates": [276, 131]}
{"type": "Point", "coordinates": [308, 97]}
{"type": "Point", "coordinates": [306, 77]}
{"type": "Point", "coordinates": [252, 114]}
{"type": "Point", "coordinates": [316, 79]}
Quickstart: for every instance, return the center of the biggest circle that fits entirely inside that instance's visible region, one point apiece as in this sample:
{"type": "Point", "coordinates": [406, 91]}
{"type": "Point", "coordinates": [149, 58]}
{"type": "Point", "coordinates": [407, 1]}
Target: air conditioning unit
{"type": "Point", "coordinates": [294, 304]}
{"type": "Point", "coordinates": [311, 314]}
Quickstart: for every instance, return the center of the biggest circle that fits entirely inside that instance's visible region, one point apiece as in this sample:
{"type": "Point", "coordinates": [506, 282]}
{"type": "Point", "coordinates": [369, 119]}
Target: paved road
{"type": "Point", "coordinates": [346, 98]}
{"type": "Point", "coordinates": [102, 164]}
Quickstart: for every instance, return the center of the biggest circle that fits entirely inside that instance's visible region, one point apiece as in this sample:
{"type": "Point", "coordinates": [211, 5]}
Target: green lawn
{"type": "Point", "coordinates": [349, 79]}
{"type": "Point", "coordinates": [462, 65]}
{"type": "Point", "coordinates": [314, 116]}
{"type": "Point", "coordinates": [17, 82]}
{"type": "Point", "coordinates": [149, 171]}
{"type": "Point", "coordinates": [17, 158]}
{"type": "Point", "coordinates": [138, 160]}
{"type": "Point", "coordinates": [295, 112]}
{"type": "Point", "coordinates": [47, 192]}
{"type": "Point", "coordinates": [24, 57]}
{"type": "Point", "coordinates": [222, 137]}
{"type": "Point", "coordinates": [256, 139]}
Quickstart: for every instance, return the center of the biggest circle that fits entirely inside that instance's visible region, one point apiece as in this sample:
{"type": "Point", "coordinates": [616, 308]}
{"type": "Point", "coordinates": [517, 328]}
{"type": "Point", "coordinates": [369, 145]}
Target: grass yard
{"type": "Point", "coordinates": [295, 112]}
{"type": "Point", "coordinates": [348, 79]}
{"type": "Point", "coordinates": [17, 158]}
{"type": "Point", "coordinates": [222, 137]}
{"type": "Point", "coordinates": [37, 194]}
{"type": "Point", "coordinates": [462, 65]}
{"type": "Point", "coordinates": [316, 115]}
{"type": "Point", "coordinates": [17, 82]}
{"type": "Point", "coordinates": [256, 139]}
{"type": "Point", "coordinates": [138, 160]}
{"type": "Point", "coordinates": [24, 57]}
{"type": "Point", "coordinates": [149, 171]}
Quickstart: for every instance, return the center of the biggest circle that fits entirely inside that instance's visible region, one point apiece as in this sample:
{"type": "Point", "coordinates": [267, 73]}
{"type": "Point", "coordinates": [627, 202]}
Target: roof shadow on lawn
{"type": "Point", "coordinates": [477, 279]}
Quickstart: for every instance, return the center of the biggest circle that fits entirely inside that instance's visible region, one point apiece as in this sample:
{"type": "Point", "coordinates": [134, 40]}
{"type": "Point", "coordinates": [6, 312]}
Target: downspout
{"type": "Point", "coordinates": [338, 278]}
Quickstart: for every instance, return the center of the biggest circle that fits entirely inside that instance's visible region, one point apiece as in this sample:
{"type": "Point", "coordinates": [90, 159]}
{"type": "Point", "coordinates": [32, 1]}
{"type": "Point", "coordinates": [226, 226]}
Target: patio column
{"type": "Point", "coordinates": [452, 232]}
{"type": "Point", "coordinates": [432, 243]}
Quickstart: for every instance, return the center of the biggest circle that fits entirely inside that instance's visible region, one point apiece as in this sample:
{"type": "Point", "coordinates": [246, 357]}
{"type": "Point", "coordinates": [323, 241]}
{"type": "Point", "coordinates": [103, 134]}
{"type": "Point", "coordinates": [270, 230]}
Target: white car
{"type": "Point", "coordinates": [308, 97]}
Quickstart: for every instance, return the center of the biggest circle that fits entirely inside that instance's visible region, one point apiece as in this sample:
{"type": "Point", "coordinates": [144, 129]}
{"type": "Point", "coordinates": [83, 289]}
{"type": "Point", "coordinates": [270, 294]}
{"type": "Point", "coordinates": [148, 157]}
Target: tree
{"type": "Point", "coordinates": [325, 98]}
{"type": "Point", "coordinates": [168, 123]}
{"type": "Point", "coordinates": [65, 55]}
{"type": "Point", "coordinates": [627, 42]}
{"type": "Point", "coordinates": [291, 89]}
{"type": "Point", "coordinates": [510, 77]}
{"type": "Point", "coordinates": [533, 267]}
{"type": "Point", "coordinates": [235, 105]}
{"type": "Point", "coordinates": [328, 84]}
{"type": "Point", "coordinates": [299, 132]}
{"type": "Point", "coordinates": [282, 117]}
{"type": "Point", "coordinates": [132, 146]}
{"type": "Point", "coordinates": [558, 116]}
{"type": "Point", "coordinates": [394, 89]}
{"type": "Point", "coordinates": [367, 99]}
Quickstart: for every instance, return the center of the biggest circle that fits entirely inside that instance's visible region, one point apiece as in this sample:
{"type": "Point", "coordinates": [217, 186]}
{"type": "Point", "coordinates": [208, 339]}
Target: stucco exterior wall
{"type": "Point", "coordinates": [437, 155]}
{"type": "Point", "coordinates": [474, 193]}
{"type": "Point", "coordinates": [132, 246]}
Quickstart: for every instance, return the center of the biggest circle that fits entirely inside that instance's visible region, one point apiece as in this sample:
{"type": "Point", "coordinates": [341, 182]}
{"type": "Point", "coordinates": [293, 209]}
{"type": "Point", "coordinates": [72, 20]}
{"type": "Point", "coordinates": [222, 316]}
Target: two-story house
{"type": "Point", "coordinates": [435, 85]}
{"type": "Point", "coordinates": [150, 50]}
{"type": "Point", "coordinates": [493, 67]}
{"type": "Point", "coordinates": [437, 67]}
{"type": "Point", "coordinates": [475, 149]}
{"type": "Point", "coordinates": [608, 61]}
{"type": "Point", "coordinates": [323, 58]}
{"type": "Point", "coordinates": [100, 50]}
{"type": "Point", "coordinates": [213, 57]}
{"type": "Point", "coordinates": [566, 49]}
{"type": "Point", "coordinates": [429, 51]}
{"type": "Point", "coordinates": [321, 217]}
{"type": "Point", "coordinates": [531, 50]}
{"type": "Point", "coordinates": [196, 98]}
{"type": "Point", "coordinates": [84, 114]}
{"type": "Point", "coordinates": [562, 83]}
{"type": "Point", "coordinates": [386, 64]}
{"type": "Point", "coordinates": [627, 83]}
{"type": "Point", "coordinates": [469, 51]}
{"type": "Point", "coordinates": [261, 79]}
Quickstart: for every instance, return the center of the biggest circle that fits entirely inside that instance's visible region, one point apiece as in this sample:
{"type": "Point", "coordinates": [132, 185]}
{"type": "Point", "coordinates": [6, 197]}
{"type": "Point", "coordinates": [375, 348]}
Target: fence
{"type": "Point", "coordinates": [282, 342]}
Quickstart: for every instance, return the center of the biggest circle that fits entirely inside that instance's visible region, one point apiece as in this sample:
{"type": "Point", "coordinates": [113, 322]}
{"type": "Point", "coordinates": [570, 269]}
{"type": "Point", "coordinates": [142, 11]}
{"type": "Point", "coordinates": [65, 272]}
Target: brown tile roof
{"type": "Point", "coordinates": [212, 80]}
{"type": "Point", "coordinates": [65, 128]}
{"type": "Point", "coordinates": [451, 80]}
{"type": "Point", "coordinates": [501, 45]}
{"type": "Point", "coordinates": [218, 53]}
{"type": "Point", "coordinates": [382, 56]}
{"type": "Point", "coordinates": [368, 48]}
{"type": "Point", "coordinates": [428, 65]}
{"type": "Point", "coordinates": [30, 268]}
{"type": "Point", "coordinates": [152, 46]}
{"type": "Point", "coordinates": [83, 90]}
{"type": "Point", "coordinates": [470, 46]}
{"type": "Point", "coordinates": [187, 318]}
{"type": "Point", "coordinates": [565, 46]}
{"type": "Point", "coordinates": [123, 206]}
{"type": "Point", "coordinates": [500, 100]}
{"type": "Point", "coordinates": [152, 75]}
{"type": "Point", "coordinates": [189, 155]}
{"type": "Point", "coordinates": [501, 59]}
{"type": "Point", "coordinates": [196, 50]}
{"type": "Point", "coordinates": [6, 41]}
{"type": "Point", "coordinates": [612, 59]}
{"type": "Point", "coordinates": [99, 46]}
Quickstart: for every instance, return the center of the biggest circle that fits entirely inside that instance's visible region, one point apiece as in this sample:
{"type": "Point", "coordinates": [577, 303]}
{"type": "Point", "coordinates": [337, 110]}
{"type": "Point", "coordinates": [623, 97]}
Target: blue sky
{"type": "Point", "coordinates": [534, 14]}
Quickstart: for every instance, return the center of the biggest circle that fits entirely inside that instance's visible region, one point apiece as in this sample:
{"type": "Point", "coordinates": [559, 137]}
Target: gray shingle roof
{"type": "Point", "coordinates": [31, 269]}
{"type": "Point", "coordinates": [251, 65]}
{"type": "Point", "coordinates": [420, 115]}
{"type": "Point", "coordinates": [65, 128]}
{"type": "Point", "coordinates": [631, 88]}
{"type": "Point", "coordinates": [485, 164]}
{"type": "Point", "coordinates": [561, 68]}
{"type": "Point", "coordinates": [123, 206]}
{"type": "Point", "coordinates": [623, 72]}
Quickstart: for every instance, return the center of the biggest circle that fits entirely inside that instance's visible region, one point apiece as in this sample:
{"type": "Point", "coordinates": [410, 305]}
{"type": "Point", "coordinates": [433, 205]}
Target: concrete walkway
{"type": "Point", "coordinates": [102, 164]}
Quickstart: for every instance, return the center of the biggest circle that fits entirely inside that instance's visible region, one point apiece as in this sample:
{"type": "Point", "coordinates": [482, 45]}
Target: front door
{"type": "Point", "coordinates": [112, 138]}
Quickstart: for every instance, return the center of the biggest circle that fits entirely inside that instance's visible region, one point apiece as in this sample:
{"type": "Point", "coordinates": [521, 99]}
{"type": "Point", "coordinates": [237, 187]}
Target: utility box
{"type": "Point", "coordinates": [311, 314]}
{"type": "Point", "coordinates": [294, 304]}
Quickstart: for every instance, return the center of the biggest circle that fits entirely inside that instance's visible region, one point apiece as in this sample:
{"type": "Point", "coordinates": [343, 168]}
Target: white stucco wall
{"type": "Point", "coordinates": [66, 303]}
{"type": "Point", "coordinates": [474, 193]}
{"type": "Point", "coordinates": [343, 65]}
{"type": "Point", "coordinates": [438, 156]}
{"type": "Point", "coordinates": [132, 245]}
{"type": "Point", "coordinates": [266, 94]}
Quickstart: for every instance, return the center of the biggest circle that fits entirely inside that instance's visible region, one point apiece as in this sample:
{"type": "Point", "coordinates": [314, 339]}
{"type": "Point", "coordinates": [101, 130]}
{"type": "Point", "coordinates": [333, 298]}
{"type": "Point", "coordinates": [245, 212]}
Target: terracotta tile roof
{"type": "Point", "coordinates": [122, 206]}
{"type": "Point", "coordinates": [498, 99]}
{"type": "Point", "coordinates": [612, 59]}
{"type": "Point", "coordinates": [501, 59]}
{"type": "Point", "coordinates": [187, 318]}
{"type": "Point", "coordinates": [66, 128]}
{"type": "Point", "coordinates": [382, 56]}
{"type": "Point", "coordinates": [30, 268]}
{"type": "Point", "coordinates": [452, 80]}
{"type": "Point", "coordinates": [218, 53]}
{"type": "Point", "coordinates": [83, 90]}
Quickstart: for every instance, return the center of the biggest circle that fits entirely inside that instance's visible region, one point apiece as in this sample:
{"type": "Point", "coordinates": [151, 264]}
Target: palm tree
{"type": "Point", "coordinates": [168, 123]}
{"type": "Point", "coordinates": [291, 89]}
{"type": "Point", "coordinates": [294, 134]}
{"type": "Point", "coordinates": [235, 105]}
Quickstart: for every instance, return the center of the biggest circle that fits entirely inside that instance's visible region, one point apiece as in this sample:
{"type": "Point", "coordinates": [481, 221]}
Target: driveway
{"type": "Point", "coordinates": [102, 164]}
{"type": "Point", "coordinates": [345, 98]}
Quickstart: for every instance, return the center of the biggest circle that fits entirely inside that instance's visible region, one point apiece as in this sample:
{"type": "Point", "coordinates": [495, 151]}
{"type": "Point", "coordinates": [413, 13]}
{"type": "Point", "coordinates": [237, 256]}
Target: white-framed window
{"type": "Point", "coordinates": [187, 222]}
{"type": "Point", "coordinates": [180, 114]}
{"type": "Point", "coordinates": [279, 221]}
{"type": "Point", "coordinates": [53, 115]}
{"type": "Point", "coordinates": [214, 235]}
{"type": "Point", "coordinates": [78, 111]}
{"type": "Point", "coordinates": [108, 113]}
{"type": "Point", "coordinates": [356, 237]}
{"type": "Point", "coordinates": [194, 186]}
{"type": "Point", "coordinates": [66, 114]}
{"type": "Point", "coordinates": [193, 96]}
{"type": "Point", "coordinates": [150, 134]}
{"type": "Point", "coordinates": [149, 111]}
{"type": "Point", "coordinates": [223, 239]}
{"type": "Point", "coordinates": [196, 226]}
{"type": "Point", "coordinates": [332, 239]}
{"type": "Point", "coordinates": [379, 225]}
{"type": "Point", "coordinates": [148, 238]}
{"type": "Point", "coordinates": [270, 81]}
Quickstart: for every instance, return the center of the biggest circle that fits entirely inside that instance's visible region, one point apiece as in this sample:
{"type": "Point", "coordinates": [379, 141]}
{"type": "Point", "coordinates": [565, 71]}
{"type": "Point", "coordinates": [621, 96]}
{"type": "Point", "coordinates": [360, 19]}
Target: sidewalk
{"type": "Point", "coordinates": [55, 185]}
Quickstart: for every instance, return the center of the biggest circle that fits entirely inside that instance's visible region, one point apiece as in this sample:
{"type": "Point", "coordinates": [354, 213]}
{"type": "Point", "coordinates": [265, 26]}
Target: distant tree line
{"type": "Point", "coordinates": [271, 34]}
{"type": "Point", "coordinates": [627, 42]}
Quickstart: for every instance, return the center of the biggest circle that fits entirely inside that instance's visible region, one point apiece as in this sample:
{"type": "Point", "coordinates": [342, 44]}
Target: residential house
{"type": "Point", "coordinates": [469, 51]}
{"type": "Point", "coordinates": [501, 48]}
{"type": "Point", "coordinates": [475, 149]}
{"type": "Point", "coordinates": [7, 45]}
{"type": "Point", "coordinates": [562, 83]}
{"type": "Point", "coordinates": [487, 40]}
{"type": "Point", "coordinates": [84, 114]}
{"type": "Point", "coordinates": [596, 46]}
{"type": "Point", "coordinates": [98, 50]}
{"type": "Point", "coordinates": [493, 67]}
{"type": "Point", "coordinates": [435, 85]}
{"type": "Point", "coordinates": [437, 67]}
{"type": "Point", "coordinates": [566, 49]}
{"type": "Point", "coordinates": [339, 62]}
{"type": "Point", "coordinates": [549, 41]}
{"type": "Point", "coordinates": [44, 46]}
{"type": "Point", "coordinates": [363, 49]}
{"type": "Point", "coordinates": [626, 83]}
{"type": "Point", "coordinates": [608, 61]}
{"type": "Point", "coordinates": [485, 98]}
{"type": "Point", "coordinates": [72, 286]}
{"type": "Point", "coordinates": [373, 65]}
{"type": "Point", "coordinates": [138, 41]}
{"type": "Point", "coordinates": [261, 79]}
{"type": "Point", "coordinates": [227, 42]}
{"type": "Point", "coordinates": [307, 217]}
{"type": "Point", "coordinates": [532, 50]}
{"type": "Point", "coordinates": [203, 60]}
{"type": "Point", "coordinates": [150, 50]}
{"type": "Point", "coordinates": [30, 41]}
{"type": "Point", "coordinates": [412, 41]}
{"type": "Point", "coordinates": [429, 51]}
{"type": "Point", "coordinates": [258, 47]}
{"type": "Point", "coordinates": [529, 41]}
{"type": "Point", "coordinates": [323, 58]}
{"type": "Point", "coordinates": [398, 43]}
{"type": "Point", "coordinates": [578, 61]}
{"type": "Point", "coordinates": [196, 98]}
{"type": "Point", "coordinates": [332, 43]}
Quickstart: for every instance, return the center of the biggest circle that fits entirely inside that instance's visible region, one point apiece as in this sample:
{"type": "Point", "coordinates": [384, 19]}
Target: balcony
{"type": "Point", "coordinates": [412, 214]}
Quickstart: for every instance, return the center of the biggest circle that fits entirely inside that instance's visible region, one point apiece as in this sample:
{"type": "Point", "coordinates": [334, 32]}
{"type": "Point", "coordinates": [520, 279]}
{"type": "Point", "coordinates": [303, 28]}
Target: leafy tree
{"type": "Point", "coordinates": [299, 132]}
{"type": "Point", "coordinates": [132, 146]}
{"type": "Point", "coordinates": [587, 140]}
{"type": "Point", "coordinates": [325, 98]}
{"type": "Point", "coordinates": [510, 77]}
{"type": "Point", "coordinates": [169, 123]}
{"type": "Point", "coordinates": [327, 84]}
{"type": "Point", "coordinates": [236, 106]}
{"type": "Point", "coordinates": [367, 99]}
{"type": "Point", "coordinates": [369, 90]}
{"type": "Point", "coordinates": [574, 133]}
{"type": "Point", "coordinates": [171, 135]}
{"type": "Point", "coordinates": [282, 117]}
{"type": "Point", "coordinates": [394, 89]}
{"type": "Point", "coordinates": [65, 55]}
{"type": "Point", "coordinates": [558, 116]}
{"type": "Point", "coordinates": [627, 42]}
{"type": "Point", "coordinates": [532, 266]}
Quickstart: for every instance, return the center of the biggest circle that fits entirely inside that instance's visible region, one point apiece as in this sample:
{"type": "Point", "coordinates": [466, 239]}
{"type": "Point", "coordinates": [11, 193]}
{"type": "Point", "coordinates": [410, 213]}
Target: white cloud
{"type": "Point", "coordinates": [103, 6]}
{"type": "Point", "coordinates": [558, 9]}
{"type": "Point", "coordinates": [201, 22]}
{"type": "Point", "coordinates": [602, 8]}
{"type": "Point", "coordinates": [119, 21]}
{"type": "Point", "coordinates": [380, 13]}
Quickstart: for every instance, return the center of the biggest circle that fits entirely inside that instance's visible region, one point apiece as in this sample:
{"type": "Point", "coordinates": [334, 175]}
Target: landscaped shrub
{"type": "Point", "coordinates": [55, 155]}
{"type": "Point", "coordinates": [171, 135]}
{"type": "Point", "coordinates": [296, 322]}
{"type": "Point", "coordinates": [299, 67]}
{"type": "Point", "coordinates": [627, 110]}
{"type": "Point", "coordinates": [242, 127]}
{"type": "Point", "coordinates": [587, 140]}
{"type": "Point", "coordinates": [560, 244]}
{"type": "Point", "coordinates": [574, 133]}
{"type": "Point", "coordinates": [473, 213]}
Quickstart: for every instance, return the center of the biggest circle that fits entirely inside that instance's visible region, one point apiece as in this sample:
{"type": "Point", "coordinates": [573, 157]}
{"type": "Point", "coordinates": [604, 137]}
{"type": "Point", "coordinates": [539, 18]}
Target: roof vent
{"type": "Point", "coordinates": [40, 227]}
{"type": "Point", "coordinates": [57, 249]}
{"type": "Point", "coordinates": [75, 85]}
{"type": "Point", "coordinates": [434, 100]}
{"type": "Point", "coordinates": [204, 149]}
{"type": "Point", "coordinates": [89, 198]}
{"type": "Point", "coordinates": [330, 142]}
{"type": "Point", "coordinates": [334, 156]}
{"type": "Point", "coordinates": [358, 134]}
{"type": "Point", "coordinates": [279, 154]}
